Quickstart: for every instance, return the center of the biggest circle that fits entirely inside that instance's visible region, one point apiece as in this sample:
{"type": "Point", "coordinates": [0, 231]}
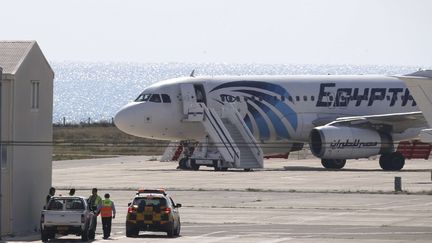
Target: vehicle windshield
{"type": "Point", "coordinates": [66, 204]}
{"type": "Point", "coordinates": [143, 97]}
{"type": "Point", "coordinates": [149, 201]}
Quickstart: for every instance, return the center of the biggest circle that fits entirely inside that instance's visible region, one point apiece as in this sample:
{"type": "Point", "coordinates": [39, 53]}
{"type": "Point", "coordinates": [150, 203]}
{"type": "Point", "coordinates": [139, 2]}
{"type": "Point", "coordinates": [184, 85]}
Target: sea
{"type": "Point", "coordinates": [94, 91]}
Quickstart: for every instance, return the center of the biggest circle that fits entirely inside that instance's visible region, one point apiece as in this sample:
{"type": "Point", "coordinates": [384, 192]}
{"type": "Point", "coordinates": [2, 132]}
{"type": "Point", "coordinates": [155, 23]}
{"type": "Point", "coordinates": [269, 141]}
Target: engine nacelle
{"type": "Point", "coordinates": [331, 142]}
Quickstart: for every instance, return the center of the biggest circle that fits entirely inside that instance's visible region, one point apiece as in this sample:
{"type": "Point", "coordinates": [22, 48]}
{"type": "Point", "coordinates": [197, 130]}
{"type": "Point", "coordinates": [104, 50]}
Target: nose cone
{"type": "Point", "coordinates": [126, 119]}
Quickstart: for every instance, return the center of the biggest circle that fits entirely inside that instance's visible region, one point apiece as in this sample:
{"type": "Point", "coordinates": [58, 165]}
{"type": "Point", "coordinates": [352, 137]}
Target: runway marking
{"type": "Point", "coordinates": [277, 240]}
{"type": "Point", "coordinates": [212, 233]}
{"type": "Point", "coordinates": [216, 239]}
{"type": "Point", "coordinates": [322, 217]}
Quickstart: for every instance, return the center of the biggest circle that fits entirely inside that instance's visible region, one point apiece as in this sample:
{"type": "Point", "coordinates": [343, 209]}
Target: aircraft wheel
{"type": "Point", "coordinates": [333, 163]}
{"type": "Point", "coordinates": [392, 162]}
{"type": "Point", "coordinates": [194, 166]}
{"type": "Point", "coordinates": [183, 164]}
{"type": "Point", "coordinates": [339, 163]}
{"type": "Point", "coordinates": [216, 165]}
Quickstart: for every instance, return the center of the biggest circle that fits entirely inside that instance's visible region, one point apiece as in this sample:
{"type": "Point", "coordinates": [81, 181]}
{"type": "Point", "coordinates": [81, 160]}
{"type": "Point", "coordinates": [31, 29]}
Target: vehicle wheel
{"type": "Point", "coordinates": [177, 232]}
{"type": "Point", "coordinates": [171, 231]}
{"type": "Point", "coordinates": [85, 235]}
{"type": "Point", "coordinates": [44, 236]}
{"type": "Point", "coordinates": [194, 166]}
{"type": "Point", "coordinates": [91, 233]}
{"type": "Point", "coordinates": [247, 169]}
{"type": "Point", "coordinates": [216, 165]}
{"type": "Point", "coordinates": [131, 231]}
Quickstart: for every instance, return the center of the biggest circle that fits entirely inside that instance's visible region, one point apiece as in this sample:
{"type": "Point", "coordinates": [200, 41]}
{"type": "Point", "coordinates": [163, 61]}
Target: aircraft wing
{"type": "Point", "coordinates": [420, 86]}
{"type": "Point", "coordinates": [393, 123]}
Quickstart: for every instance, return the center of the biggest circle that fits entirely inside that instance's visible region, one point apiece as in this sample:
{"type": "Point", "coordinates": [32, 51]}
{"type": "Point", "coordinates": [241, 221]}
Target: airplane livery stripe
{"type": "Point", "coordinates": [290, 115]}
{"type": "Point", "coordinates": [261, 123]}
{"type": "Point", "coordinates": [280, 128]}
{"type": "Point", "coordinates": [255, 84]}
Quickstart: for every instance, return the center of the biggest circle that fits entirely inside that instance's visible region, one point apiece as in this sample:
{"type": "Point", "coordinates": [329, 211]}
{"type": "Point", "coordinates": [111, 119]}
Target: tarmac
{"type": "Point", "coordinates": [293, 200]}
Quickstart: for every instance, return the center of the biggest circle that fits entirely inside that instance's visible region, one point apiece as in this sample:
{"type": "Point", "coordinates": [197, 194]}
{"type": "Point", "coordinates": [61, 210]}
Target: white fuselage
{"type": "Point", "coordinates": [275, 108]}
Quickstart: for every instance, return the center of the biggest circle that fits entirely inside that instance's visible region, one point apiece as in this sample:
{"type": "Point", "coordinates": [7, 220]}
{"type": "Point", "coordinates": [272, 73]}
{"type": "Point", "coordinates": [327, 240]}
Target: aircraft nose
{"type": "Point", "coordinates": [125, 119]}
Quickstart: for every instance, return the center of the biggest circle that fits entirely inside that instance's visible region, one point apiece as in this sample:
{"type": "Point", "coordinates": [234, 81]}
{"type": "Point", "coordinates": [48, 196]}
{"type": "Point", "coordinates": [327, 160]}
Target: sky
{"type": "Point", "coordinates": [365, 32]}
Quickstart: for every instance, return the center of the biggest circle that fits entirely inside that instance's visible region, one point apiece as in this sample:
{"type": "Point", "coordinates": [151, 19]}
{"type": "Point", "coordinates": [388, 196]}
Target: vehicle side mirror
{"type": "Point", "coordinates": [178, 205]}
{"type": "Point", "coordinates": [129, 204]}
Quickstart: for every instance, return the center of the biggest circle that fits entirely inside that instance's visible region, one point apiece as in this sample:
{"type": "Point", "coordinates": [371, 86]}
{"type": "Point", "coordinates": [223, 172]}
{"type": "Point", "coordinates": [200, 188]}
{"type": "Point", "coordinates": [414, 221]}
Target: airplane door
{"type": "Point", "coordinates": [188, 96]}
{"type": "Point", "coordinates": [200, 93]}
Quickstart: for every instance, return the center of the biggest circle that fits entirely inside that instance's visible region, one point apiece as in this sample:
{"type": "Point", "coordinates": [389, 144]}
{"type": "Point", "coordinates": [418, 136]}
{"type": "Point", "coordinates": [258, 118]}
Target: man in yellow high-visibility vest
{"type": "Point", "coordinates": [107, 212]}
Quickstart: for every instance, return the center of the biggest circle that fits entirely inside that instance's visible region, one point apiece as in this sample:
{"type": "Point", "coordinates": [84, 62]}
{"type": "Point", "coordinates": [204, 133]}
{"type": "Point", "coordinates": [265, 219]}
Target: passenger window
{"type": "Point", "coordinates": [155, 98]}
{"type": "Point", "coordinates": [290, 98]}
{"type": "Point", "coordinates": [297, 98]}
{"type": "Point", "coordinates": [166, 98]}
{"type": "Point", "coordinates": [312, 98]}
{"type": "Point", "coordinates": [282, 98]}
{"type": "Point", "coordinates": [305, 98]}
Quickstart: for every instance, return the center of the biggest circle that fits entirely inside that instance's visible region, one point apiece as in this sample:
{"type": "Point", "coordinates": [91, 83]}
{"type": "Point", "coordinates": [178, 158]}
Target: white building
{"type": "Point", "coordinates": [26, 131]}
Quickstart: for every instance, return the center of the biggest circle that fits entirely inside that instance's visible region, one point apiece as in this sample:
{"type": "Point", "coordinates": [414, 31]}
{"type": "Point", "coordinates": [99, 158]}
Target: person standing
{"type": "Point", "coordinates": [108, 212]}
{"type": "Point", "coordinates": [72, 192]}
{"type": "Point", "coordinates": [51, 193]}
{"type": "Point", "coordinates": [95, 204]}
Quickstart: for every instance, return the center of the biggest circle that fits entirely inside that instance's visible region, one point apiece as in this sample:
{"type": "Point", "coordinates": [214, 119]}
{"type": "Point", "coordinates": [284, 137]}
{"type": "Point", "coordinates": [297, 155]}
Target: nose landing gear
{"type": "Point", "coordinates": [188, 164]}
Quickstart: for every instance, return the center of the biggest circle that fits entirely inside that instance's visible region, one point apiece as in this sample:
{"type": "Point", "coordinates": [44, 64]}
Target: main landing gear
{"type": "Point", "coordinates": [393, 161]}
{"type": "Point", "coordinates": [188, 164]}
{"type": "Point", "coordinates": [333, 163]}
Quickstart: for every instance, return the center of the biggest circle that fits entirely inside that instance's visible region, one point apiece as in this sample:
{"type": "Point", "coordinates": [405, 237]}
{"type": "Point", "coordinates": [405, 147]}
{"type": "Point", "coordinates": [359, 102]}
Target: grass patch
{"type": "Point", "coordinates": [82, 142]}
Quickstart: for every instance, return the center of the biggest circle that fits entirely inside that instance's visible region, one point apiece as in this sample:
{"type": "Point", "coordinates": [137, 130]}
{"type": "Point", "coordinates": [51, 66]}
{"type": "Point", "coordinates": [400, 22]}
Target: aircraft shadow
{"type": "Point", "coordinates": [307, 168]}
{"type": "Point", "coordinates": [285, 168]}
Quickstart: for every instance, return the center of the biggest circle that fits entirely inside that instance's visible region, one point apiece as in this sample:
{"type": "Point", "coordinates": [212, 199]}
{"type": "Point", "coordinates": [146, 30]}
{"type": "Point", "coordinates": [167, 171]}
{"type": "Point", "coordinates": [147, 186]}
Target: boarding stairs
{"type": "Point", "coordinates": [228, 132]}
{"type": "Point", "coordinates": [250, 151]}
{"type": "Point", "coordinates": [173, 152]}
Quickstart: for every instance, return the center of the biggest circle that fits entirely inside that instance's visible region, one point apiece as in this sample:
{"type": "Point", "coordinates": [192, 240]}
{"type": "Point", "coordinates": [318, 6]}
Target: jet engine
{"type": "Point", "coordinates": [331, 142]}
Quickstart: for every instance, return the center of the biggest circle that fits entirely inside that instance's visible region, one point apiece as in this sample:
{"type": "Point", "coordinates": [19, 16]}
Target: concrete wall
{"type": "Point", "coordinates": [32, 163]}
{"type": "Point", "coordinates": [6, 135]}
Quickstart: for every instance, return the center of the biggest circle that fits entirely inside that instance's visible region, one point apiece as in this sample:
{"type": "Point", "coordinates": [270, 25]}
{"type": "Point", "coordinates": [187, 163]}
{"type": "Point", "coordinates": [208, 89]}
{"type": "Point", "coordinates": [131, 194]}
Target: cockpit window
{"type": "Point", "coordinates": [143, 97]}
{"type": "Point", "coordinates": [166, 98]}
{"type": "Point", "coordinates": [155, 98]}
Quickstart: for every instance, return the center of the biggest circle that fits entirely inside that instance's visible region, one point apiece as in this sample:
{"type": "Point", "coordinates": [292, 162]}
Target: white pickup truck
{"type": "Point", "coordinates": [68, 215]}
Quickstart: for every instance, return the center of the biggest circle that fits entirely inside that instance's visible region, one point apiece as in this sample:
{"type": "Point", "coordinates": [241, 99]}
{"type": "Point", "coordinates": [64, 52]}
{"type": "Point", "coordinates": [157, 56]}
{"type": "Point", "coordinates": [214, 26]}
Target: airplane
{"type": "Point", "coordinates": [420, 85]}
{"type": "Point", "coordinates": [236, 120]}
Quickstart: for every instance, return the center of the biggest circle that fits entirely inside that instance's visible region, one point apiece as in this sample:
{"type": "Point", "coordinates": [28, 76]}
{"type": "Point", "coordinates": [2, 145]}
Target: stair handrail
{"type": "Point", "coordinates": [231, 113]}
{"type": "Point", "coordinates": [224, 136]}
{"type": "Point", "coordinates": [170, 151]}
